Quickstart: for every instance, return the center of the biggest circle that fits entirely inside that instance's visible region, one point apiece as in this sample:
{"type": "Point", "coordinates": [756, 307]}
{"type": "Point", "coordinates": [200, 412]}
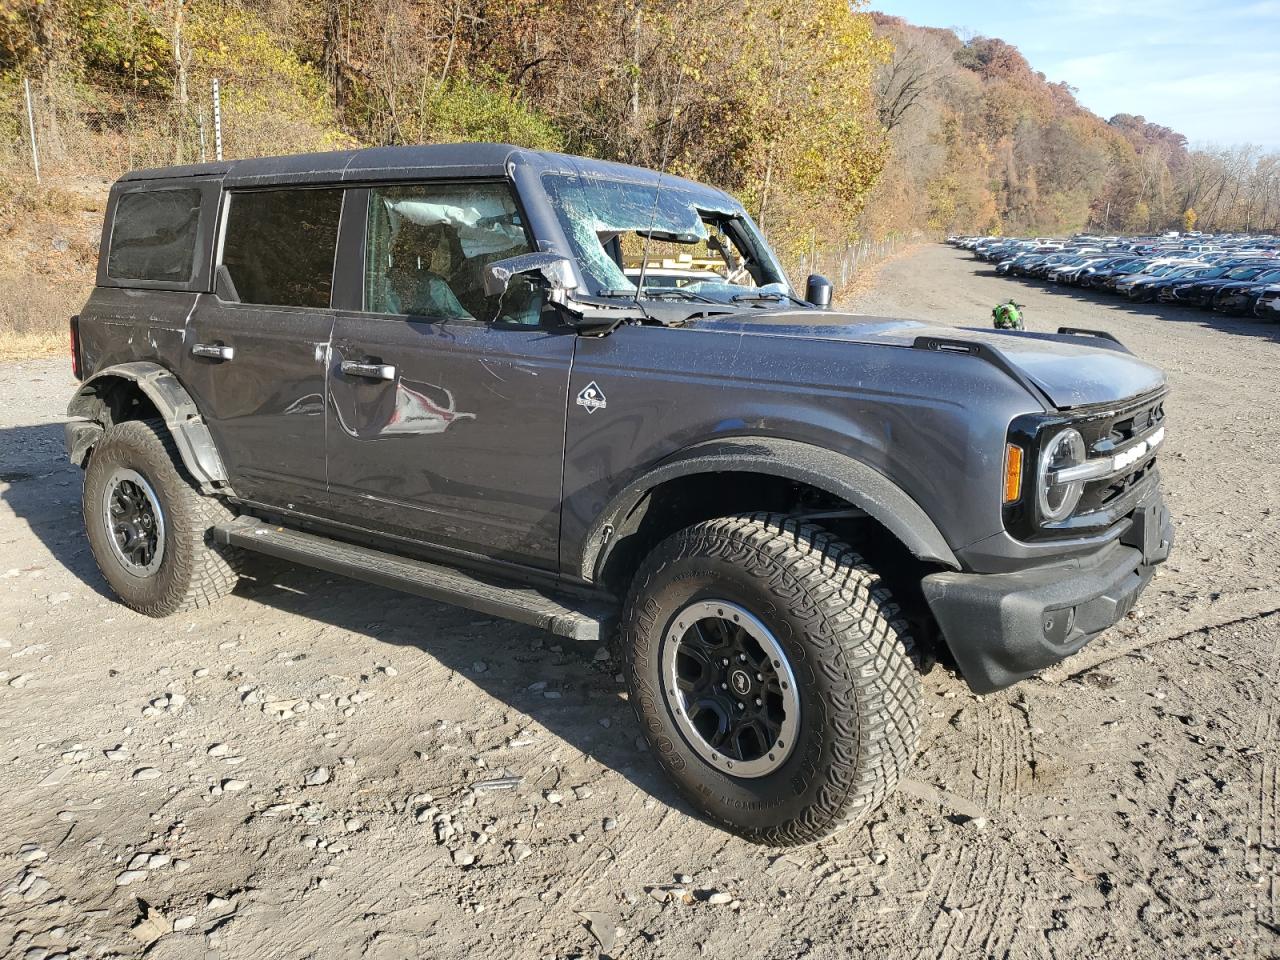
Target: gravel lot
{"type": "Point", "coordinates": [299, 771]}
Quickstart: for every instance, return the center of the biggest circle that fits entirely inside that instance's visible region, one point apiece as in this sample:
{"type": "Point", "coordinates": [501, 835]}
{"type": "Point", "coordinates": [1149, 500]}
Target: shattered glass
{"type": "Point", "coordinates": [595, 211]}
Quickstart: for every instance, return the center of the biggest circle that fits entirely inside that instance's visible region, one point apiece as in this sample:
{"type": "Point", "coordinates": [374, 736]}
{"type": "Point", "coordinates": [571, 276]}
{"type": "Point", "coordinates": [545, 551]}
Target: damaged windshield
{"type": "Point", "coordinates": [686, 244]}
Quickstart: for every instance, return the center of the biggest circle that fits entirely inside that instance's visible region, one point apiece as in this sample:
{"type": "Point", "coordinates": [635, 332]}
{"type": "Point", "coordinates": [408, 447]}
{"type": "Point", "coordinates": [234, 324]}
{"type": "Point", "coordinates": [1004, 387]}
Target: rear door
{"type": "Point", "coordinates": [256, 349]}
{"type": "Point", "coordinates": [447, 407]}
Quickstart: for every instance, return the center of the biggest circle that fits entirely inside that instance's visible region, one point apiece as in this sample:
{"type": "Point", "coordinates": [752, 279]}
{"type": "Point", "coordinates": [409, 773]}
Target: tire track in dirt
{"type": "Point", "coordinates": [1263, 835]}
{"type": "Point", "coordinates": [980, 910]}
{"type": "Point", "coordinates": [993, 762]}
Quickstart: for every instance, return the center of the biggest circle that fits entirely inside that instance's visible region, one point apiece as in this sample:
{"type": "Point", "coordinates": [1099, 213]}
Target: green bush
{"type": "Point", "coordinates": [119, 41]}
{"type": "Point", "coordinates": [476, 112]}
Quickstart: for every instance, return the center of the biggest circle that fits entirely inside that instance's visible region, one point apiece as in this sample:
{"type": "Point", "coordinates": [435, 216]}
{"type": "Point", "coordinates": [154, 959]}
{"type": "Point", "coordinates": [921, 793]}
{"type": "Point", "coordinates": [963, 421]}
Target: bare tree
{"type": "Point", "coordinates": [916, 68]}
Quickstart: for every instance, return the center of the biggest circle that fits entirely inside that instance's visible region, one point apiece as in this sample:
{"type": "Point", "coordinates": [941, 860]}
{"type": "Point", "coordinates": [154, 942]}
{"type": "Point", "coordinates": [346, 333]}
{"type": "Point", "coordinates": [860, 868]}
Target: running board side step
{"type": "Point", "coordinates": [587, 621]}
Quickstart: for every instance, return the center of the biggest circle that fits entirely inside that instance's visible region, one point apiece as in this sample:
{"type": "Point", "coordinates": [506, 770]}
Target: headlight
{"type": "Point", "coordinates": [1057, 499]}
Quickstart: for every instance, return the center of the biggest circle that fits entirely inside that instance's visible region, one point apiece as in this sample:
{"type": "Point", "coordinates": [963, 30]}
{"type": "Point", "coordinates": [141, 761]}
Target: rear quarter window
{"type": "Point", "coordinates": [154, 234]}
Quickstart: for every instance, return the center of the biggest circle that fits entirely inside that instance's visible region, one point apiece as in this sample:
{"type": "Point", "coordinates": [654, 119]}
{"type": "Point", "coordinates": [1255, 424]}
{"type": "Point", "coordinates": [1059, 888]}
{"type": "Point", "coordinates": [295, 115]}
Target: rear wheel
{"type": "Point", "coordinates": [148, 525]}
{"type": "Point", "coordinates": [772, 675]}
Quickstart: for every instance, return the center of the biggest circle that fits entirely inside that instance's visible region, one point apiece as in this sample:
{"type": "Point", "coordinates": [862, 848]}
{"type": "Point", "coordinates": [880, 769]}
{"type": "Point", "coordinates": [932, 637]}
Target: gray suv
{"type": "Point", "coordinates": [445, 369]}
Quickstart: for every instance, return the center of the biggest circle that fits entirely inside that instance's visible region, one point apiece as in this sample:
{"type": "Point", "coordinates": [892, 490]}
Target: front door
{"type": "Point", "coordinates": [256, 351]}
{"type": "Point", "coordinates": [447, 407]}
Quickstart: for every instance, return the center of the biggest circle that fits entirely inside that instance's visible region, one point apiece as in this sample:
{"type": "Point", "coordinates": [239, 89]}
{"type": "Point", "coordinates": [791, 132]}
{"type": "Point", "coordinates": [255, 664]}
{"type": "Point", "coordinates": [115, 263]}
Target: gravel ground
{"type": "Point", "coordinates": [301, 771]}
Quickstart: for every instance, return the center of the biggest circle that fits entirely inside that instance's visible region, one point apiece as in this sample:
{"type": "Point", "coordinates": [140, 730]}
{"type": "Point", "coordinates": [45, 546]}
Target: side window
{"type": "Point", "coordinates": [153, 235]}
{"type": "Point", "coordinates": [279, 245]}
{"type": "Point", "coordinates": [427, 247]}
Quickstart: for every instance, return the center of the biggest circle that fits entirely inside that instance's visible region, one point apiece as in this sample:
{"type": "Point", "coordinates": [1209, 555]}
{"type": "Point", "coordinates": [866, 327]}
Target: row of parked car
{"type": "Point", "coordinates": [1238, 274]}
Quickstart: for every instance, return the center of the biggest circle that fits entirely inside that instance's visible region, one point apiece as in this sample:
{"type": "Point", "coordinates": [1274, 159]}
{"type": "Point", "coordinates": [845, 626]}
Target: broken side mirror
{"type": "Point", "coordinates": [556, 272]}
{"type": "Point", "coordinates": [818, 290]}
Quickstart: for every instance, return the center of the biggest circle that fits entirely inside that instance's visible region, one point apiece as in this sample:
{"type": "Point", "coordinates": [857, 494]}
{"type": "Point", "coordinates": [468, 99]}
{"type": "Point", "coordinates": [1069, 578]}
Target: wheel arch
{"type": "Point", "coordinates": [142, 390]}
{"type": "Point", "coordinates": [773, 467]}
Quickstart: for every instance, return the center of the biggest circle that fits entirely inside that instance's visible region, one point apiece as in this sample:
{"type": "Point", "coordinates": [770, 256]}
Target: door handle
{"type": "Point", "coordinates": [368, 369]}
{"type": "Point", "coordinates": [213, 351]}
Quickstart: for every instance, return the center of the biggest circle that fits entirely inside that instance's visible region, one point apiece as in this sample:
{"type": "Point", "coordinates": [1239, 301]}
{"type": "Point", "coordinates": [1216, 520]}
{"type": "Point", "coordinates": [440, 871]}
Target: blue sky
{"type": "Point", "coordinates": [1209, 70]}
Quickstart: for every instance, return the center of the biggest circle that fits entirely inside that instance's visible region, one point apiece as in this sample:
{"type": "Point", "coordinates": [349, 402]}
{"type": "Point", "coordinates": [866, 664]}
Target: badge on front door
{"type": "Point", "coordinates": [591, 398]}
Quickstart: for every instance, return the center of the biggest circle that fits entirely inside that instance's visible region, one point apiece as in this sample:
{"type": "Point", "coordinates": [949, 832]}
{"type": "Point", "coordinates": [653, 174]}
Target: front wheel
{"type": "Point", "coordinates": [772, 675]}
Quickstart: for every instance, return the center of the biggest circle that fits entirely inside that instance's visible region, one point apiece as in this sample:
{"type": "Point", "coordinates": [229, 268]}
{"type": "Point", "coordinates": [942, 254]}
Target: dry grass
{"type": "Point", "coordinates": [48, 257]}
{"type": "Point", "coordinates": [27, 346]}
{"type": "Point", "coordinates": [34, 313]}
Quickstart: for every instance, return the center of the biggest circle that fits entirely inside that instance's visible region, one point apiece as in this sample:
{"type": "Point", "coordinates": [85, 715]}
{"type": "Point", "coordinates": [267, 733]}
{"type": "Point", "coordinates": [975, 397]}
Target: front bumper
{"type": "Point", "coordinates": [1004, 627]}
{"type": "Point", "coordinates": [1267, 309]}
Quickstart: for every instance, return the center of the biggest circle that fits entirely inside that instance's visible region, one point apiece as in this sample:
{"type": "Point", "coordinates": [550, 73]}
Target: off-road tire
{"type": "Point", "coordinates": [848, 649]}
{"type": "Point", "coordinates": [193, 571]}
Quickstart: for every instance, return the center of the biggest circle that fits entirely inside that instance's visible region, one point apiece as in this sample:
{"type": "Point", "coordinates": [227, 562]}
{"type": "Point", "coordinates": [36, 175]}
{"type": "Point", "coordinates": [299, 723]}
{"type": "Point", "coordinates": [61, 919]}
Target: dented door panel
{"type": "Point", "coordinates": [118, 325]}
{"type": "Point", "coordinates": [451, 433]}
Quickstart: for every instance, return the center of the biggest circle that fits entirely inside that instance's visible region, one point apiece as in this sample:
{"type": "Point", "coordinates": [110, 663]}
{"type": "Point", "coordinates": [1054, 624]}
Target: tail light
{"type": "Point", "coordinates": [75, 347]}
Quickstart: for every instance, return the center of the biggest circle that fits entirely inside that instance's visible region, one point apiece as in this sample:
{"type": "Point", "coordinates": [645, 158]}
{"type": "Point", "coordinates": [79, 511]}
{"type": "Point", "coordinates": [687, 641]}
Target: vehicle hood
{"type": "Point", "coordinates": [1070, 371]}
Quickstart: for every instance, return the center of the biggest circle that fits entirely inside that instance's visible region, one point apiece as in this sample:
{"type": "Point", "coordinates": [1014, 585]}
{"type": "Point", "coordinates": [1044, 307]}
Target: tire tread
{"type": "Point", "coordinates": [859, 642]}
{"type": "Point", "coordinates": [202, 571]}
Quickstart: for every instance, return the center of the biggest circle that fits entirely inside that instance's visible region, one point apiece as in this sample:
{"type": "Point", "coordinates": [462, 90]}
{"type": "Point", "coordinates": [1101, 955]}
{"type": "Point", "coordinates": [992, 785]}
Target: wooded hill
{"type": "Point", "coordinates": [829, 121]}
{"type": "Point", "coordinates": [981, 141]}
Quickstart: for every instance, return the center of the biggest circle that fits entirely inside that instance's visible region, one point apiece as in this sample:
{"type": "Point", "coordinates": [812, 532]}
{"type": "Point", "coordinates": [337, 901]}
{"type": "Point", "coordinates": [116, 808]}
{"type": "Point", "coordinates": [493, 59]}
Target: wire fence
{"type": "Point", "coordinates": [841, 266]}
{"type": "Point", "coordinates": [57, 128]}
{"type": "Point", "coordinates": [61, 145]}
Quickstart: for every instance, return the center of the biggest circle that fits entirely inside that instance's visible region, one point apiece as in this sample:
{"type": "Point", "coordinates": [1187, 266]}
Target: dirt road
{"type": "Point", "coordinates": [299, 771]}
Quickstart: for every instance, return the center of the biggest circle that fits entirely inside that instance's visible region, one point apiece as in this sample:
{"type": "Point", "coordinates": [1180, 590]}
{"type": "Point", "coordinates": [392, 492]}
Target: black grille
{"type": "Point", "coordinates": [1108, 432]}
{"type": "Point", "coordinates": [1105, 434]}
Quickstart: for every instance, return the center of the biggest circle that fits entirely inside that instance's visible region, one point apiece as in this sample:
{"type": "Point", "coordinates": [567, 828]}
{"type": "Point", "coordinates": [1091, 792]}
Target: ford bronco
{"type": "Point", "coordinates": [443, 369]}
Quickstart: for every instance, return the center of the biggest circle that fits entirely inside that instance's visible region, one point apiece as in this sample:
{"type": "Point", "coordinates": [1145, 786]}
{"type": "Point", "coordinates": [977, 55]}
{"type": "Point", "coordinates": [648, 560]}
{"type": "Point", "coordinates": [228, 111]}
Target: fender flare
{"type": "Point", "coordinates": [165, 391]}
{"type": "Point", "coordinates": [835, 473]}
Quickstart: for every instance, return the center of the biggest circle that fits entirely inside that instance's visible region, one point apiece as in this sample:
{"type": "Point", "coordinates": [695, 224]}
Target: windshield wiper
{"type": "Point", "coordinates": [660, 293]}
{"type": "Point", "coordinates": [761, 296]}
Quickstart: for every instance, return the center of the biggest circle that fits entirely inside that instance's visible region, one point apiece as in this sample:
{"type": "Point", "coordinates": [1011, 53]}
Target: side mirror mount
{"type": "Point", "coordinates": [556, 272]}
{"type": "Point", "coordinates": [818, 290]}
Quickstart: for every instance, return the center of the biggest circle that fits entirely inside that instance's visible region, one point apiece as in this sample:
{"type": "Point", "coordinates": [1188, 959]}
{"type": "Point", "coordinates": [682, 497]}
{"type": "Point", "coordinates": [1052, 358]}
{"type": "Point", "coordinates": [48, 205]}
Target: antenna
{"type": "Point", "coordinates": [653, 214]}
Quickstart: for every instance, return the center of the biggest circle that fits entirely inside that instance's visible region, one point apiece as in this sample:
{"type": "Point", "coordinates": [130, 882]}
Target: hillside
{"type": "Point", "coordinates": [890, 130]}
{"type": "Point", "coordinates": [983, 142]}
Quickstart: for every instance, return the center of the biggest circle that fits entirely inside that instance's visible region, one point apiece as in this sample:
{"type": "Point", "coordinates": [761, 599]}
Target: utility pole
{"type": "Point", "coordinates": [31, 126]}
{"type": "Point", "coordinates": [217, 120]}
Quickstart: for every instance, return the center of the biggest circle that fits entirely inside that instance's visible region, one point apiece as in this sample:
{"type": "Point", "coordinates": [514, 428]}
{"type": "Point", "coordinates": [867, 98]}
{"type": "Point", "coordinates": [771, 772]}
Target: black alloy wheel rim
{"type": "Point", "coordinates": [135, 522]}
{"type": "Point", "coordinates": [730, 689]}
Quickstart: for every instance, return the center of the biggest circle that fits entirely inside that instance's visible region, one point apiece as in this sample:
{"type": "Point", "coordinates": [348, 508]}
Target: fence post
{"type": "Point", "coordinates": [217, 120]}
{"type": "Point", "coordinates": [31, 126]}
{"type": "Point", "coordinates": [204, 156]}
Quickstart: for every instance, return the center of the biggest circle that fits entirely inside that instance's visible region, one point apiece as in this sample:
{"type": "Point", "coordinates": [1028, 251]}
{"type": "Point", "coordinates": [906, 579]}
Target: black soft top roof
{"type": "Point", "coordinates": [449, 160]}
